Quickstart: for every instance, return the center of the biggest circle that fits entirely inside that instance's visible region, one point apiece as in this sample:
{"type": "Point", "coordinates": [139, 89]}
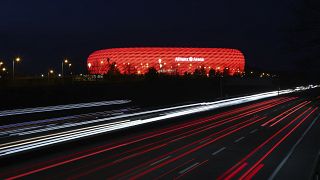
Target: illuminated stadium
{"type": "Point", "coordinates": [166, 60]}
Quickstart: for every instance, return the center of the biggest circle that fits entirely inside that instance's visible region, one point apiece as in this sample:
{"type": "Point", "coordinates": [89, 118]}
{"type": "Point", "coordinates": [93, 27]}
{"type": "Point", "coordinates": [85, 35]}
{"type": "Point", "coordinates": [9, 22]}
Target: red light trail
{"type": "Point", "coordinates": [231, 170]}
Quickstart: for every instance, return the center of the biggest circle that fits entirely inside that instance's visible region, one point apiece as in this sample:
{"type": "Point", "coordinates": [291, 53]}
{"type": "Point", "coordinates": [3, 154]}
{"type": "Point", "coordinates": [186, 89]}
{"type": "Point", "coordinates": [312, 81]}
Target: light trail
{"type": "Point", "coordinates": [60, 107]}
{"type": "Point", "coordinates": [265, 142]}
{"type": "Point", "coordinates": [32, 143]}
{"type": "Point", "coordinates": [293, 148]}
{"type": "Point", "coordinates": [278, 143]}
{"type": "Point", "coordinates": [254, 172]}
{"type": "Point", "coordinates": [121, 145]}
{"type": "Point", "coordinates": [21, 131]}
{"type": "Point", "coordinates": [168, 141]}
{"type": "Point", "coordinates": [58, 119]}
{"type": "Point", "coordinates": [197, 147]}
{"type": "Point", "coordinates": [104, 103]}
{"type": "Point", "coordinates": [197, 130]}
{"type": "Point", "coordinates": [194, 130]}
{"type": "Point", "coordinates": [28, 144]}
{"type": "Point", "coordinates": [288, 113]}
{"type": "Point", "coordinates": [188, 129]}
{"type": "Point", "coordinates": [298, 108]}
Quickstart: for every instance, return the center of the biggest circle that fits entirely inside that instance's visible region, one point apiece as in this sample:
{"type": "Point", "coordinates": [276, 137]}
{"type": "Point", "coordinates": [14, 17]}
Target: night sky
{"type": "Point", "coordinates": [43, 32]}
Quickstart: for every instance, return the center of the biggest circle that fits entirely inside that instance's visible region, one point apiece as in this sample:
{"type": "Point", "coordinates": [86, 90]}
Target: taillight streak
{"type": "Point", "coordinates": [196, 148]}
{"type": "Point", "coordinates": [283, 113]}
{"type": "Point", "coordinates": [290, 113]}
{"type": "Point", "coordinates": [260, 146]}
{"type": "Point", "coordinates": [161, 133]}
{"type": "Point", "coordinates": [279, 142]}
{"type": "Point", "coordinates": [254, 172]}
{"type": "Point", "coordinates": [166, 143]}
{"type": "Point", "coordinates": [198, 130]}
{"type": "Point", "coordinates": [236, 171]}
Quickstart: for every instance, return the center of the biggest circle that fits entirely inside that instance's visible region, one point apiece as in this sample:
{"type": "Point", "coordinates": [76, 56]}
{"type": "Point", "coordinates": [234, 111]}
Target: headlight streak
{"type": "Point", "coordinates": [33, 143]}
{"type": "Point", "coordinates": [201, 129]}
{"type": "Point", "coordinates": [104, 113]}
{"type": "Point", "coordinates": [270, 103]}
{"type": "Point", "coordinates": [60, 107]}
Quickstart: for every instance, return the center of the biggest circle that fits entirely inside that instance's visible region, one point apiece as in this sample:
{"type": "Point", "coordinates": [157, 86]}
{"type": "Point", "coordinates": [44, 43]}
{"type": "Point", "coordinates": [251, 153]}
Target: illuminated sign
{"type": "Point", "coordinates": [189, 59]}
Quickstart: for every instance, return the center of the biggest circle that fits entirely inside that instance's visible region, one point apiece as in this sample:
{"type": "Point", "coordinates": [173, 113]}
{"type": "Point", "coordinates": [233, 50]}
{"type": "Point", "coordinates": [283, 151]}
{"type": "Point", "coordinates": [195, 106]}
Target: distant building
{"type": "Point", "coordinates": [166, 60]}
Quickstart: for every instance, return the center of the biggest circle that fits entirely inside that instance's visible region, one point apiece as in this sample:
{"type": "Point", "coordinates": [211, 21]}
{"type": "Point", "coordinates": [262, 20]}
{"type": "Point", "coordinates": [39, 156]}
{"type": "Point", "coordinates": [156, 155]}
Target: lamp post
{"type": "Point", "coordinates": [50, 72]}
{"type": "Point", "coordinates": [62, 65]}
{"type": "Point", "coordinates": [17, 59]}
{"type": "Point", "coordinates": [1, 63]}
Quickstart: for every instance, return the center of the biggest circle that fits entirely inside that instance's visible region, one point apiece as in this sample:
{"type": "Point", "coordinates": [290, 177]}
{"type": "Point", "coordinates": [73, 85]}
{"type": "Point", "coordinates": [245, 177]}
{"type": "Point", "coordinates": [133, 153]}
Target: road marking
{"type": "Point", "coordinates": [253, 131]}
{"type": "Point", "coordinates": [114, 114]}
{"type": "Point", "coordinates": [238, 139]}
{"type": "Point", "coordinates": [204, 141]}
{"type": "Point", "coordinates": [217, 152]}
{"type": "Point", "coordinates": [160, 160]}
{"type": "Point", "coordinates": [127, 157]}
{"type": "Point", "coordinates": [275, 172]}
{"type": "Point", "coordinates": [188, 168]}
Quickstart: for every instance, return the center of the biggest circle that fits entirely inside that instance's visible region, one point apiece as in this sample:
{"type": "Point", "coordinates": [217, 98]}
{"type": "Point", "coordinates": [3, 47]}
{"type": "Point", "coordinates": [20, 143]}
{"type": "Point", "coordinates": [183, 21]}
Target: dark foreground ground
{"type": "Point", "coordinates": [275, 138]}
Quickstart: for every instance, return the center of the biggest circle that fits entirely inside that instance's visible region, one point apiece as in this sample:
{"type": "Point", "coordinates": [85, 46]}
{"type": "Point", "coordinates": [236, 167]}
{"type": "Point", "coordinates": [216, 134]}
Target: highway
{"type": "Point", "coordinates": [275, 137]}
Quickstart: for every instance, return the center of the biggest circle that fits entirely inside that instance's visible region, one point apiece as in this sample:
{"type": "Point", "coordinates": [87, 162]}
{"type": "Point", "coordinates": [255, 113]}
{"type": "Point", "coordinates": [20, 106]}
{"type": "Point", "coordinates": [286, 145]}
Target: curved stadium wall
{"type": "Point", "coordinates": [166, 60]}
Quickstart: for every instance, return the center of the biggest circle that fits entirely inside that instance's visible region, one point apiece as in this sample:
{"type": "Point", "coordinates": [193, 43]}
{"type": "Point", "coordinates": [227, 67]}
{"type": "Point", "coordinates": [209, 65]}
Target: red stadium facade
{"type": "Point", "coordinates": [166, 60]}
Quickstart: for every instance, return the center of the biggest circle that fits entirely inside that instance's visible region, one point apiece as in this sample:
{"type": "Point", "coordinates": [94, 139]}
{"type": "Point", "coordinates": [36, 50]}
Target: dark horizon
{"type": "Point", "coordinates": [43, 33]}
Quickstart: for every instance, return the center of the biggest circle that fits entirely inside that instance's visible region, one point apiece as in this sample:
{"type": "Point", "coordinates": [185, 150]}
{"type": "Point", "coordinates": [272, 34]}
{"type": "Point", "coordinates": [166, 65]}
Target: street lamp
{"type": "Point", "coordinates": [17, 59]}
{"type": "Point", "coordinates": [50, 72]}
{"type": "Point", "coordinates": [1, 63]}
{"type": "Point", "coordinates": [66, 61]}
{"type": "Point", "coordinates": [89, 67]}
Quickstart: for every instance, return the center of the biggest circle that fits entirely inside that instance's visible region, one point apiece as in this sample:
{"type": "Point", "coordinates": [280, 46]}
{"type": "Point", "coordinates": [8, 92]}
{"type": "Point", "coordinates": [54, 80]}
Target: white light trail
{"type": "Point", "coordinates": [50, 139]}
{"type": "Point", "coordinates": [60, 107]}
